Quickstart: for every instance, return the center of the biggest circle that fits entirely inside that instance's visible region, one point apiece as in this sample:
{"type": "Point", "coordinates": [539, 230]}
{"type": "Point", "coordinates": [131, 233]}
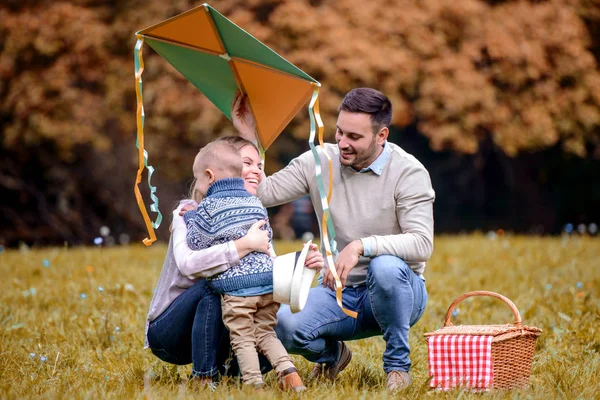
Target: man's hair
{"type": "Point", "coordinates": [220, 155]}
{"type": "Point", "coordinates": [369, 101]}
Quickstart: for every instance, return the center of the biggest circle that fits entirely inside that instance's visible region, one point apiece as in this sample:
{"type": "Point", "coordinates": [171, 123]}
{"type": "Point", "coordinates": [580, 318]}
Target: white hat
{"type": "Point", "coordinates": [291, 279]}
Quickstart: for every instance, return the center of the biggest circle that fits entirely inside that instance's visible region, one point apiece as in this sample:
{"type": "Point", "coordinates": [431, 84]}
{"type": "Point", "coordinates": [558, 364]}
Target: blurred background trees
{"type": "Point", "coordinates": [499, 99]}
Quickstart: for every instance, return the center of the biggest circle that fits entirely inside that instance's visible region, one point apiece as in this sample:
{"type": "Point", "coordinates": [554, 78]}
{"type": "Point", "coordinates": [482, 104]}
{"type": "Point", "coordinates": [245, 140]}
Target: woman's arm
{"type": "Point", "coordinates": [215, 259]}
{"type": "Point", "coordinates": [202, 263]}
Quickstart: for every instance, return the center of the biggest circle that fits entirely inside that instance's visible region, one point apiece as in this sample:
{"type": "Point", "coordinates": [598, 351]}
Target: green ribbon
{"type": "Point", "coordinates": [318, 169]}
{"type": "Point", "coordinates": [154, 206]}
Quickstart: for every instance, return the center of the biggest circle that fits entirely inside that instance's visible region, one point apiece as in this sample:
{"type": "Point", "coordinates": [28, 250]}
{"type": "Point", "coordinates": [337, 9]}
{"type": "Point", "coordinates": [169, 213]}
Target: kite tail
{"type": "Point", "coordinates": [328, 231]}
{"type": "Point", "coordinates": [143, 154]}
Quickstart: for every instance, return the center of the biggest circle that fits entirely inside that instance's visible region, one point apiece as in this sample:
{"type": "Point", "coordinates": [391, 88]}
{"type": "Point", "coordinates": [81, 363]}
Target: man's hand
{"type": "Point", "coordinates": [314, 258]}
{"type": "Point", "coordinates": [242, 117]}
{"type": "Point", "coordinates": [347, 259]}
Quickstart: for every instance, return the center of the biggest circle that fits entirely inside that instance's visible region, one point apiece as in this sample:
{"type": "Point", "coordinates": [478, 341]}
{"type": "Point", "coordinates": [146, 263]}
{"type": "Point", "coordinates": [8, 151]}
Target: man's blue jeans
{"type": "Point", "coordinates": [392, 300]}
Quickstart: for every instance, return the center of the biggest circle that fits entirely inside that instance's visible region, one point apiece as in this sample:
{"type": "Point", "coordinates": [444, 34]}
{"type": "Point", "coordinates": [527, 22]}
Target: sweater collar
{"type": "Point", "coordinates": [227, 187]}
{"type": "Point", "coordinates": [377, 165]}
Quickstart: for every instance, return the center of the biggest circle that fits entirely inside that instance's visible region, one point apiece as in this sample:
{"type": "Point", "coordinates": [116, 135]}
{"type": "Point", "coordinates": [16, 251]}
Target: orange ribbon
{"type": "Point", "coordinates": [142, 153]}
{"type": "Point", "coordinates": [315, 119]}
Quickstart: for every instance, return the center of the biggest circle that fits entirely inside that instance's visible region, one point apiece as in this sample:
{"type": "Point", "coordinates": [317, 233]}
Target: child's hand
{"type": "Point", "coordinates": [314, 258]}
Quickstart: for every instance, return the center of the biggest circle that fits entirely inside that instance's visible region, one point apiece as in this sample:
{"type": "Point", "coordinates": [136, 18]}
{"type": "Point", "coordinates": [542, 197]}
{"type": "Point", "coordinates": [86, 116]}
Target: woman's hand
{"type": "Point", "coordinates": [255, 240]}
{"type": "Point", "coordinates": [242, 117]}
{"type": "Point", "coordinates": [314, 258]}
{"type": "Point", "coordinates": [185, 208]}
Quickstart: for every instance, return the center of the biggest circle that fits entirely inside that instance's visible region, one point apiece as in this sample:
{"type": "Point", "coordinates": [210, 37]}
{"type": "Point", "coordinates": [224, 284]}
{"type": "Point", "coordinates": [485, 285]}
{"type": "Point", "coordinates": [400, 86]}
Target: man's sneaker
{"type": "Point", "coordinates": [290, 380]}
{"type": "Point", "coordinates": [398, 380]}
{"type": "Point", "coordinates": [331, 371]}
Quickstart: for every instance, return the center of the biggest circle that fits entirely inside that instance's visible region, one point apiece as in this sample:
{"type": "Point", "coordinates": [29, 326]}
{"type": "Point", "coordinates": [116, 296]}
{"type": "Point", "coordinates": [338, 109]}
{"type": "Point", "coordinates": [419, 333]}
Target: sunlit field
{"type": "Point", "coordinates": [72, 322]}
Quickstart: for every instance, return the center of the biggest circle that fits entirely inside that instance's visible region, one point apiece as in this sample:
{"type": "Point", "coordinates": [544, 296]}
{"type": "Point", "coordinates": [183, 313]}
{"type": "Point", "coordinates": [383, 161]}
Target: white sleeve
{"type": "Point", "coordinates": [202, 263]}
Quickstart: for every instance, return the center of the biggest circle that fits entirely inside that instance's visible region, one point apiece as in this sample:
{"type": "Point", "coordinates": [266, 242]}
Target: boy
{"type": "Point", "coordinates": [249, 312]}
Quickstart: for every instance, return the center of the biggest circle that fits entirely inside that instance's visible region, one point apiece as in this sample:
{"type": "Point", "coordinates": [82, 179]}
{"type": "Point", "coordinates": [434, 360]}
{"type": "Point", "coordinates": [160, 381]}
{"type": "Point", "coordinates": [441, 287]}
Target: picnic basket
{"type": "Point", "coordinates": [512, 348]}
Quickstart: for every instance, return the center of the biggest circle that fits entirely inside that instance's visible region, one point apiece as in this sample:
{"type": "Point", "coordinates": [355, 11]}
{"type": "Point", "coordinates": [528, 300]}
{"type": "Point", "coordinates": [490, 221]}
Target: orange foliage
{"type": "Point", "coordinates": [519, 71]}
{"type": "Point", "coordinates": [523, 73]}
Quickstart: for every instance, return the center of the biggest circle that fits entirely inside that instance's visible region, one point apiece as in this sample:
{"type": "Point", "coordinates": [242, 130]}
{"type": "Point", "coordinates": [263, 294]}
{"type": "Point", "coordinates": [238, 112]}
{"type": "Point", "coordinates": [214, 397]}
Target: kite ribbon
{"type": "Point", "coordinates": [143, 154]}
{"type": "Point", "coordinates": [328, 231]}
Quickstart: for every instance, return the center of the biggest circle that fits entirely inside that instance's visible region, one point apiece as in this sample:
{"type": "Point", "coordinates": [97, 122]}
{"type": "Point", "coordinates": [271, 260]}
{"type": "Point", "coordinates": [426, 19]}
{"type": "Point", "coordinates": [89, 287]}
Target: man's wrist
{"type": "Point", "coordinates": [360, 249]}
{"type": "Point", "coordinates": [368, 244]}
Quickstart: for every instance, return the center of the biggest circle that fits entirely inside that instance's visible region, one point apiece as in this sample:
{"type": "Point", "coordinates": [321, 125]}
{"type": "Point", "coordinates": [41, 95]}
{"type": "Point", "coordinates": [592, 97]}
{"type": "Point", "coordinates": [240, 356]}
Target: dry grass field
{"type": "Point", "coordinates": [72, 322]}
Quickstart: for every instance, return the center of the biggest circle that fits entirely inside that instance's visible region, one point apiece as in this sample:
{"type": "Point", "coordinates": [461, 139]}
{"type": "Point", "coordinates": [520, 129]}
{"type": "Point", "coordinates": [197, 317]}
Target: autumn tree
{"type": "Point", "coordinates": [523, 74]}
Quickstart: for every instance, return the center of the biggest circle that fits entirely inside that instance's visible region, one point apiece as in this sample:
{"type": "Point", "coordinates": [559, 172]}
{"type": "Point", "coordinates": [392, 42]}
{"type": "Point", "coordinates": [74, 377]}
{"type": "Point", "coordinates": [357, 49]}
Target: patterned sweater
{"type": "Point", "coordinates": [226, 214]}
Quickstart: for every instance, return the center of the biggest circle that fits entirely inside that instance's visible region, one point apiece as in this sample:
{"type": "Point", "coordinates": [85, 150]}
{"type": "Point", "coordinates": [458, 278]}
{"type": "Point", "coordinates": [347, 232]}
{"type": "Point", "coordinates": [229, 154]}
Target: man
{"type": "Point", "coordinates": [382, 211]}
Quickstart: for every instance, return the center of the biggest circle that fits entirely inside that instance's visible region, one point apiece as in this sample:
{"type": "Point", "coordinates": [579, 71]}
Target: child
{"type": "Point", "coordinates": [249, 312]}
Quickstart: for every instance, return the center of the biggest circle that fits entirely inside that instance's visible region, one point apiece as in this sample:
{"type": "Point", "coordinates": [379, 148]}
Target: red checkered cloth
{"type": "Point", "coordinates": [460, 360]}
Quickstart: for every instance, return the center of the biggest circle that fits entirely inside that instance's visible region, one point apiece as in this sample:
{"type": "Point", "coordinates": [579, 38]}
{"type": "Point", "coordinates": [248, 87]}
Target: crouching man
{"type": "Point", "coordinates": [382, 211]}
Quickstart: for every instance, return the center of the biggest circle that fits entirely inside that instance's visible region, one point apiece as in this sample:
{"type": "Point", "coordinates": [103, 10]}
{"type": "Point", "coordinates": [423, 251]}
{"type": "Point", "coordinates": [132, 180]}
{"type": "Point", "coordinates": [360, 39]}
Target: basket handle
{"type": "Point", "coordinates": [515, 311]}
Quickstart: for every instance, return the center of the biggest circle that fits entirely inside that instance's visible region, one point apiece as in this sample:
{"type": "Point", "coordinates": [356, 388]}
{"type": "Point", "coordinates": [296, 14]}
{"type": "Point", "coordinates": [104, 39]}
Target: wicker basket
{"type": "Point", "coordinates": [513, 345]}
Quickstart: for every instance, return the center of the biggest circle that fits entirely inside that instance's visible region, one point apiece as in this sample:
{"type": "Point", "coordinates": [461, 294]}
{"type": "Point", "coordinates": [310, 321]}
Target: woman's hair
{"type": "Point", "coordinates": [235, 141]}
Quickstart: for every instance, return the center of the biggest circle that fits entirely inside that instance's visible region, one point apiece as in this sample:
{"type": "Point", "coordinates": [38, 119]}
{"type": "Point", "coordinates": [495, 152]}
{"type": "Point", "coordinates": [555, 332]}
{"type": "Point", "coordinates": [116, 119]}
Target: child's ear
{"type": "Point", "coordinates": [210, 175]}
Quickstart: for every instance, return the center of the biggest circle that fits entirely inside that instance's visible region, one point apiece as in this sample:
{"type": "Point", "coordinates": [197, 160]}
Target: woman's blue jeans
{"type": "Point", "coordinates": [392, 300]}
{"type": "Point", "coordinates": [191, 330]}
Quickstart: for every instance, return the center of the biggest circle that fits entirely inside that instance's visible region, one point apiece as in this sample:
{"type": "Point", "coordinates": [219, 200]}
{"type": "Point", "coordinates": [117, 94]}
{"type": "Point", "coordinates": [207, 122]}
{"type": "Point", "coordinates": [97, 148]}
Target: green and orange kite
{"type": "Point", "coordinates": [219, 58]}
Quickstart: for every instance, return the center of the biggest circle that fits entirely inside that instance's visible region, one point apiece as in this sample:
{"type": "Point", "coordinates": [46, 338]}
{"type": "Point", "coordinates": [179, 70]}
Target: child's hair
{"type": "Point", "coordinates": [234, 142]}
{"type": "Point", "coordinates": [217, 155]}
{"type": "Point", "coordinates": [221, 156]}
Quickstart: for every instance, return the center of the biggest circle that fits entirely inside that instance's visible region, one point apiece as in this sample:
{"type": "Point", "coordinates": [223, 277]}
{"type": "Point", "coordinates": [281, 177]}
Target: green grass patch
{"type": "Point", "coordinates": [72, 322]}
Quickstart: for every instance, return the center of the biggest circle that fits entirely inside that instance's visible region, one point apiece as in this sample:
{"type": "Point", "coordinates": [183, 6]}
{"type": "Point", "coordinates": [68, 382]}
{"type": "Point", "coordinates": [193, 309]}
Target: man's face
{"type": "Point", "coordinates": [358, 144]}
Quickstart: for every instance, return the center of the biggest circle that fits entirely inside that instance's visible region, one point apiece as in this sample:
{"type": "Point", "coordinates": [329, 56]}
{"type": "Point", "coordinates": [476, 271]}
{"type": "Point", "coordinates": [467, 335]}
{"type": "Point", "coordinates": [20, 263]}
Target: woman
{"type": "Point", "coordinates": [184, 322]}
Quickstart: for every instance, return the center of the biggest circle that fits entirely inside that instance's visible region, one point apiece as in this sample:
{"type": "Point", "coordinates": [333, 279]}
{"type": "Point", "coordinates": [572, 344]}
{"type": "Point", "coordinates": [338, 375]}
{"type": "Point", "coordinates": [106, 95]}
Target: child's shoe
{"type": "Point", "coordinates": [290, 380]}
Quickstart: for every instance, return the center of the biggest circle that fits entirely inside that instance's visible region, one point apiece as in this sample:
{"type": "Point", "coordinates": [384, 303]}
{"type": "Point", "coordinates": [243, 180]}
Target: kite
{"type": "Point", "coordinates": [219, 58]}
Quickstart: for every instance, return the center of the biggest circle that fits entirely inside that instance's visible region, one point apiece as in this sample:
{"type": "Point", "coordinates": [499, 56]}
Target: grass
{"type": "Point", "coordinates": [72, 322]}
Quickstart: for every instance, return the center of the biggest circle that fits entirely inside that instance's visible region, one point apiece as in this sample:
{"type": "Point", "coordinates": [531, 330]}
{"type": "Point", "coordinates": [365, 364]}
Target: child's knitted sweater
{"type": "Point", "coordinates": [227, 213]}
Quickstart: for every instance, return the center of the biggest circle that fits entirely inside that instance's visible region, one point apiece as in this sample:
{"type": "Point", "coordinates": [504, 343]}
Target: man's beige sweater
{"type": "Point", "coordinates": [395, 208]}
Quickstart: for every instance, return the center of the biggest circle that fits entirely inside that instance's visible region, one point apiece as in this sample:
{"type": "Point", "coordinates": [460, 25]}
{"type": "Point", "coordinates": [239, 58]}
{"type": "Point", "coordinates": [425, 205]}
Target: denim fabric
{"type": "Point", "coordinates": [392, 300]}
{"type": "Point", "coordinates": [191, 330]}
{"type": "Point", "coordinates": [254, 291]}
